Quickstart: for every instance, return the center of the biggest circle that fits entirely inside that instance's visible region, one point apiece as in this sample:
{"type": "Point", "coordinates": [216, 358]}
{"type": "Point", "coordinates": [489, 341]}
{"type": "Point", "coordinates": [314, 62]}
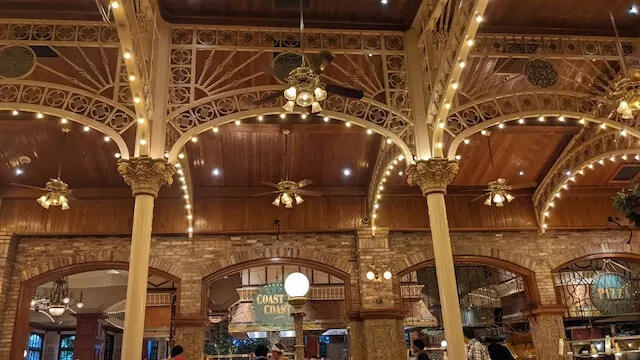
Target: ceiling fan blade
{"type": "Point", "coordinates": [479, 197]}
{"type": "Point", "coordinates": [269, 184]}
{"type": "Point", "coordinates": [321, 60]}
{"type": "Point", "coordinates": [310, 193]}
{"type": "Point", "coordinates": [305, 182]}
{"type": "Point", "coordinates": [29, 186]}
{"type": "Point", "coordinates": [344, 91]}
{"type": "Point", "coordinates": [524, 186]}
{"type": "Point", "coordinates": [265, 193]}
{"type": "Point", "coordinates": [267, 98]}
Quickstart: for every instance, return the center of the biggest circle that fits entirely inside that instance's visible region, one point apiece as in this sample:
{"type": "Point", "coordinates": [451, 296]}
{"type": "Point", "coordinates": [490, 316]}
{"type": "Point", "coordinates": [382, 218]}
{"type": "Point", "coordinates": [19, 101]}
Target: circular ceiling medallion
{"type": "Point", "coordinates": [16, 61]}
{"type": "Point", "coordinates": [285, 62]}
{"type": "Point", "coordinates": [541, 73]}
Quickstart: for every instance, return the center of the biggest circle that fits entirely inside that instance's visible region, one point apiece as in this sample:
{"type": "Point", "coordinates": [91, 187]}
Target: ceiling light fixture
{"type": "Point", "coordinates": [86, 129]}
{"type": "Point", "coordinates": [260, 117]}
{"type": "Point", "coordinates": [346, 172]}
{"type": "Point", "coordinates": [237, 122]}
{"type": "Point", "coordinates": [19, 171]}
{"type": "Point", "coordinates": [56, 300]}
{"type": "Point", "coordinates": [15, 113]}
{"type": "Point", "coordinates": [216, 172]}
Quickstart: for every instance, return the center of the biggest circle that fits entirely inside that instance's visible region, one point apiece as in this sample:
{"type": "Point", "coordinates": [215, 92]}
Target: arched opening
{"type": "Point", "coordinates": [494, 295]}
{"type": "Point", "coordinates": [61, 309]}
{"type": "Point", "coordinates": [600, 292]}
{"type": "Point", "coordinates": [240, 317]}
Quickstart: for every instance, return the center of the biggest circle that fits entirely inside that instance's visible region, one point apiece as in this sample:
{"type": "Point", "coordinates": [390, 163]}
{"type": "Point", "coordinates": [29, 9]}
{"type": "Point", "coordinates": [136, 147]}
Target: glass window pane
{"type": "Point", "coordinates": [320, 277]}
{"type": "Point", "coordinates": [257, 276]}
{"type": "Point", "coordinates": [335, 280]}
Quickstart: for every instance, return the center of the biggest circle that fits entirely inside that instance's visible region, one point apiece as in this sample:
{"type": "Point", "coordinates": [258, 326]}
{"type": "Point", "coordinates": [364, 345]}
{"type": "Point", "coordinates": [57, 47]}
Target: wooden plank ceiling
{"type": "Point", "coordinates": [340, 14]}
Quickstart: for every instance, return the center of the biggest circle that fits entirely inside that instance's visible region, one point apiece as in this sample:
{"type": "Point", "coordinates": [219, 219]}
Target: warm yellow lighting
{"type": "Point", "coordinates": [479, 18]}
{"type": "Point", "coordinates": [552, 204]}
{"type": "Point", "coordinates": [127, 55]}
{"type": "Point", "coordinates": [86, 128]}
{"type": "Point", "coordinates": [624, 157]}
{"type": "Point", "coordinates": [389, 141]}
{"type": "Point", "coordinates": [194, 139]}
{"type": "Point", "coordinates": [303, 116]}
{"type": "Point", "coordinates": [483, 132]}
{"type": "Point", "coordinates": [39, 115]}
{"type": "Point", "coordinates": [347, 124]}
{"type": "Point", "coordinates": [115, 5]}
{"type": "Point", "coordinates": [181, 156]}
{"type": "Point", "coordinates": [215, 129]}
{"type": "Point", "coordinates": [470, 42]}
{"type": "Point", "coordinates": [132, 77]}
{"type": "Point", "coordinates": [283, 115]}
{"type": "Point", "coordinates": [466, 141]}
{"type": "Point", "coordinates": [582, 121]}
{"type": "Point", "coordinates": [15, 113]}
{"type": "Point", "coordinates": [544, 226]}
{"type": "Point", "coordinates": [447, 106]}
{"type": "Point", "coordinates": [546, 214]}
{"type": "Point", "coordinates": [603, 126]}
{"type": "Point", "coordinates": [521, 121]}
{"type": "Point", "coordinates": [143, 142]}
{"type": "Point", "coordinates": [117, 155]}
{"type": "Point", "coordinates": [237, 122]}
{"type": "Point", "coordinates": [541, 119]}
{"type": "Point", "coordinates": [63, 121]}
{"type": "Point", "coordinates": [501, 126]}
{"type": "Point", "coordinates": [623, 132]}
{"type": "Point", "coordinates": [454, 85]}
{"type": "Point", "coordinates": [369, 131]}
{"type": "Point", "coordinates": [461, 64]}
{"type": "Point", "coordinates": [136, 100]}
{"type": "Point", "coordinates": [141, 121]}
{"type": "Point", "coordinates": [439, 145]}
{"type": "Point", "coordinates": [458, 157]}
{"type": "Point", "coordinates": [107, 139]}
{"type": "Point", "coordinates": [260, 117]}
{"type": "Point", "coordinates": [561, 118]}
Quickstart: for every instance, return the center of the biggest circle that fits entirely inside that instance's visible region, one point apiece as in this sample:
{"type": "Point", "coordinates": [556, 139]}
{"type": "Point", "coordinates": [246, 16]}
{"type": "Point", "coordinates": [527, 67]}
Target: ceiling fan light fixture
{"type": "Point", "coordinates": [276, 202]}
{"type": "Point", "coordinates": [498, 199]}
{"type": "Point", "coordinates": [488, 201]}
{"type": "Point", "coordinates": [510, 197]}
{"type": "Point", "coordinates": [299, 199]}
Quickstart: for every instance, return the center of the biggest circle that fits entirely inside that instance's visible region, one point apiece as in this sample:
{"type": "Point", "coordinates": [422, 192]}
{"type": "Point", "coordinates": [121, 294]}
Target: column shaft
{"type": "Point", "coordinates": [298, 321]}
{"type": "Point", "coordinates": [138, 277]}
{"type": "Point", "coordinates": [447, 285]}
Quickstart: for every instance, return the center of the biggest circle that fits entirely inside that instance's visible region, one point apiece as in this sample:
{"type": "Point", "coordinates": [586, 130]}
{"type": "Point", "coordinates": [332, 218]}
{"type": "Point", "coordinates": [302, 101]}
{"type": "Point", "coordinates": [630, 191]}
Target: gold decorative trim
{"type": "Point", "coordinates": [432, 175]}
{"type": "Point", "coordinates": [146, 175]}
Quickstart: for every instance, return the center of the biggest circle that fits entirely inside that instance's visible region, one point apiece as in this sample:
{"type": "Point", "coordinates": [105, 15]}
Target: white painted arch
{"type": "Point", "coordinates": [453, 148]}
{"type": "Point", "coordinates": [78, 118]}
{"type": "Point", "coordinates": [217, 122]}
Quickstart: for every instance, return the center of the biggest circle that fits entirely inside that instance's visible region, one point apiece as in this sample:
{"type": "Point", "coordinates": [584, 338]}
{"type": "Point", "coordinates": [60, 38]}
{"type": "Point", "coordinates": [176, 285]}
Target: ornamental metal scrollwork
{"type": "Point", "coordinates": [16, 61]}
{"type": "Point", "coordinates": [541, 73]}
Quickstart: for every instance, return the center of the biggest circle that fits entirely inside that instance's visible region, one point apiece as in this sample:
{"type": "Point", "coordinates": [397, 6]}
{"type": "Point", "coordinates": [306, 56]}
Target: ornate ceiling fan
{"type": "Point", "coordinates": [497, 191]}
{"type": "Point", "coordinates": [289, 191]}
{"type": "Point", "coordinates": [57, 192]}
{"type": "Point", "coordinates": [625, 89]}
{"type": "Point", "coordinates": [304, 88]}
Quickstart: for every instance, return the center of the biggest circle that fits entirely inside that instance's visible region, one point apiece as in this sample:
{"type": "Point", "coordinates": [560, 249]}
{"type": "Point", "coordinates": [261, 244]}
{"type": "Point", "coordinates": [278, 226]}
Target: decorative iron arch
{"type": "Point", "coordinates": [574, 164]}
{"type": "Point", "coordinates": [484, 113]}
{"type": "Point", "coordinates": [215, 110]}
{"type": "Point", "coordinates": [100, 113]}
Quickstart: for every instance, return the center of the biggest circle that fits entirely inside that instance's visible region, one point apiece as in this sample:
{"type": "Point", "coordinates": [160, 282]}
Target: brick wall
{"type": "Point", "coordinates": [540, 253]}
{"type": "Point", "coordinates": [192, 259]}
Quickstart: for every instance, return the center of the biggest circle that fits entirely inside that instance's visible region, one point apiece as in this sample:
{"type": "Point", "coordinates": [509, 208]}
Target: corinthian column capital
{"type": "Point", "coordinates": [146, 175]}
{"type": "Point", "coordinates": [432, 175]}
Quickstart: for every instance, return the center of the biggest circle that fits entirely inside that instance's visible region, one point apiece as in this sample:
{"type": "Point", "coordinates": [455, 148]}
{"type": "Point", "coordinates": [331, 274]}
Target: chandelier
{"type": "Point", "coordinates": [57, 300]}
{"type": "Point", "coordinates": [305, 90]}
{"type": "Point", "coordinates": [498, 193]}
{"type": "Point", "coordinates": [57, 194]}
{"type": "Point", "coordinates": [627, 92]}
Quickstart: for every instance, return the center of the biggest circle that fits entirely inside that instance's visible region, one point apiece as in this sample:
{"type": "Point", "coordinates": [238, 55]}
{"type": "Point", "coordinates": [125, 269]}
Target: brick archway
{"type": "Point", "coordinates": [531, 286]}
{"type": "Point", "coordinates": [316, 260]}
{"type": "Point", "coordinates": [65, 266]}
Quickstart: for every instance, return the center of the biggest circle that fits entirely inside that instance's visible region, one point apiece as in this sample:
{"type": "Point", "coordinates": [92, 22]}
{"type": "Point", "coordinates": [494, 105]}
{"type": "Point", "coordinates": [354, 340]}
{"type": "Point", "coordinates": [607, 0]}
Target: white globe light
{"type": "Point", "coordinates": [443, 343]}
{"type": "Point", "coordinates": [320, 93]}
{"type": "Point", "coordinates": [66, 300]}
{"type": "Point", "coordinates": [33, 302]}
{"type": "Point", "coordinates": [371, 275]}
{"type": "Point", "coordinates": [498, 199]}
{"type": "Point", "coordinates": [56, 310]}
{"type": "Point", "coordinates": [80, 305]}
{"type": "Point", "coordinates": [387, 275]}
{"type": "Point", "coordinates": [296, 285]}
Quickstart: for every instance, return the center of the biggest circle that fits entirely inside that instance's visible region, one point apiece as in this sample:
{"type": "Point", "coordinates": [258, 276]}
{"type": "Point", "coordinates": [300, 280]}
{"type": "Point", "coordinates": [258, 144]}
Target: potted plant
{"type": "Point", "coordinates": [628, 202]}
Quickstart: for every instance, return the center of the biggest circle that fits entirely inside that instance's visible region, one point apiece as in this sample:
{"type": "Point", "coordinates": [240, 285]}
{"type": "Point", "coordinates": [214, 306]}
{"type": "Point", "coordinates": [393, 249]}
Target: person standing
{"type": "Point", "coordinates": [177, 353]}
{"type": "Point", "coordinates": [418, 350]}
{"type": "Point", "coordinates": [475, 349]}
{"type": "Point", "coordinates": [261, 352]}
{"type": "Point", "coordinates": [277, 352]}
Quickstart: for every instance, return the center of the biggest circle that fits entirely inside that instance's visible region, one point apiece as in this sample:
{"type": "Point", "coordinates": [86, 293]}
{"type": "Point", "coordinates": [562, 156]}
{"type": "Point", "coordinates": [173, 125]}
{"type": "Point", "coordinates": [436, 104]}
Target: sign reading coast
{"type": "Point", "coordinates": [613, 294]}
{"type": "Point", "coordinates": [271, 306]}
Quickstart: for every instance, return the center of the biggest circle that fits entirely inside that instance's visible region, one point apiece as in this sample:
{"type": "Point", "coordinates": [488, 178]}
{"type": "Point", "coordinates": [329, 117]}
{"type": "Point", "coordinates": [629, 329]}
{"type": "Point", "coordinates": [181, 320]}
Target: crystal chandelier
{"type": "Point", "coordinates": [305, 90]}
{"type": "Point", "coordinates": [57, 194]}
{"type": "Point", "coordinates": [498, 193]}
{"type": "Point", "coordinates": [57, 300]}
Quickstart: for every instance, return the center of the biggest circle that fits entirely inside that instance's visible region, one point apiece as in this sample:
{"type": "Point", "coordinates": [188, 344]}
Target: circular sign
{"type": "Point", "coordinates": [613, 294]}
{"type": "Point", "coordinates": [271, 306]}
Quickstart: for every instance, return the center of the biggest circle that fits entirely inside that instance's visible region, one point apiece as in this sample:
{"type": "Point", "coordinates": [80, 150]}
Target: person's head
{"type": "Point", "coordinates": [261, 351]}
{"type": "Point", "coordinates": [277, 350]}
{"type": "Point", "coordinates": [418, 345]}
{"type": "Point", "coordinates": [468, 333]}
{"type": "Point", "coordinates": [177, 350]}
